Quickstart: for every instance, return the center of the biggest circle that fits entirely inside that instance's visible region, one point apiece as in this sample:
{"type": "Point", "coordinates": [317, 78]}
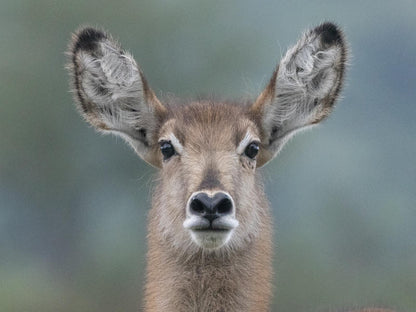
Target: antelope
{"type": "Point", "coordinates": [209, 227]}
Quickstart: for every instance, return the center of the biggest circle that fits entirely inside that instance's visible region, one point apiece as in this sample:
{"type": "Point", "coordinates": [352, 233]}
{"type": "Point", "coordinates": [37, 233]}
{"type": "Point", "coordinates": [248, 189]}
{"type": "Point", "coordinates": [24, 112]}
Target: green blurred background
{"type": "Point", "coordinates": [73, 204]}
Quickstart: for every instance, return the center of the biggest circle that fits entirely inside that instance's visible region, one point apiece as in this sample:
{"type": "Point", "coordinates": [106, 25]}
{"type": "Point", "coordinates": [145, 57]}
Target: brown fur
{"type": "Point", "coordinates": [180, 276]}
{"type": "Point", "coordinates": [211, 138]}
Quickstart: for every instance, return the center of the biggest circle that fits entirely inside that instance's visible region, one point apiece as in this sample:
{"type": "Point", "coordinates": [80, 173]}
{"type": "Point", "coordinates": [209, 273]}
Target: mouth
{"type": "Point", "coordinates": [212, 226]}
{"type": "Point", "coordinates": [210, 235]}
{"type": "Point", "coordinates": [200, 224]}
{"type": "Point", "coordinates": [211, 229]}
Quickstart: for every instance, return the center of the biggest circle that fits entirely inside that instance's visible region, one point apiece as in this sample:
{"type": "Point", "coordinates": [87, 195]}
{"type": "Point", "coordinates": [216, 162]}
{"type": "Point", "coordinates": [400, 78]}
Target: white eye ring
{"type": "Point", "coordinates": [246, 141]}
{"type": "Point", "coordinates": [173, 140]}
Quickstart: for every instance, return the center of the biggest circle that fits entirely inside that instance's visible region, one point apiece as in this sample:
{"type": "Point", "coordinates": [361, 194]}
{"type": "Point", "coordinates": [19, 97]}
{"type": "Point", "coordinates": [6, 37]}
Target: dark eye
{"type": "Point", "coordinates": [252, 150]}
{"type": "Point", "coordinates": [167, 149]}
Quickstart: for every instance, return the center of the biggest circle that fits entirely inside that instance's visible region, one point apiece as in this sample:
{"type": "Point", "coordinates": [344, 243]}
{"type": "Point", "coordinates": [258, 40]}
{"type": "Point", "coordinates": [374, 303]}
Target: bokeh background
{"type": "Point", "coordinates": [73, 204]}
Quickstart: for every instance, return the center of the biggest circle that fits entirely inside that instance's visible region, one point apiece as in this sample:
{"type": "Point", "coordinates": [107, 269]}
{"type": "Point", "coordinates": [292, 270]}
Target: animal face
{"type": "Point", "coordinates": [209, 190]}
{"type": "Point", "coordinates": [209, 195]}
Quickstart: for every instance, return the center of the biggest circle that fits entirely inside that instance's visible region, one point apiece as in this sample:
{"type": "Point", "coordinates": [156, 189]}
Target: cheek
{"type": "Point", "coordinates": [248, 165]}
{"type": "Point", "coordinates": [171, 199]}
{"type": "Point", "coordinates": [246, 198]}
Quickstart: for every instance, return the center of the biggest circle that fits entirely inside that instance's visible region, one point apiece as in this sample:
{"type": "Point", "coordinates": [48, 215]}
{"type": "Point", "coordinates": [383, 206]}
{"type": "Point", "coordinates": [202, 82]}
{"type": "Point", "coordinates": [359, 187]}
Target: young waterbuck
{"type": "Point", "coordinates": [209, 231]}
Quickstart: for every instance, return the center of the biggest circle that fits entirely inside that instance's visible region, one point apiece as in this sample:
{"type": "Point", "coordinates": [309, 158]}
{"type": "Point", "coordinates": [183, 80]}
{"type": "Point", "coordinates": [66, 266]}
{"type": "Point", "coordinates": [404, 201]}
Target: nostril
{"type": "Point", "coordinates": [209, 207]}
{"type": "Point", "coordinates": [197, 206]}
{"type": "Point", "coordinates": [225, 206]}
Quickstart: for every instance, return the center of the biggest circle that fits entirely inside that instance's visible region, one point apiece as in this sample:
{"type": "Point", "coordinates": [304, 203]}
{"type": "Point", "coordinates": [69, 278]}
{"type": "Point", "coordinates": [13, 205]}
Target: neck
{"type": "Point", "coordinates": [232, 280]}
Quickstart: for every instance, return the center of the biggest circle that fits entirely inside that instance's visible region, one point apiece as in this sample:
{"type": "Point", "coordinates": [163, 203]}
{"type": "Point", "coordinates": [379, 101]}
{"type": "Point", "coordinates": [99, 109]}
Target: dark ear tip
{"type": "Point", "coordinates": [87, 38]}
{"type": "Point", "coordinates": [330, 34]}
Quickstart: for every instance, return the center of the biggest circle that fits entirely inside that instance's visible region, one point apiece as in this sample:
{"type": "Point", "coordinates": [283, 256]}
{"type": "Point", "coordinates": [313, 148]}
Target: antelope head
{"type": "Point", "coordinates": [209, 194]}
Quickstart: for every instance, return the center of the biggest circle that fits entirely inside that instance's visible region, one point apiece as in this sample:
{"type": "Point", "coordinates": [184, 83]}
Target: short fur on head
{"type": "Point", "coordinates": [212, 149]}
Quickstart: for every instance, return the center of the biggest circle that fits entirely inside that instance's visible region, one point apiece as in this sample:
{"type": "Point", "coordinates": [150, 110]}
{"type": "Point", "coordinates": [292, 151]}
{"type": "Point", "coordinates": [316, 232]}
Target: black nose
{"type": "Point", "coordinates": [211, 207]}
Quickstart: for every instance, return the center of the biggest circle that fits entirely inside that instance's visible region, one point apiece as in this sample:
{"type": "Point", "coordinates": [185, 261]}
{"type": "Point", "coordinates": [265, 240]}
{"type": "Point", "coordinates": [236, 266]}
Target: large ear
{"type": "Point", "coordinates": [112, 93]}
{"type": "Point", "coordinates": [303, 88]}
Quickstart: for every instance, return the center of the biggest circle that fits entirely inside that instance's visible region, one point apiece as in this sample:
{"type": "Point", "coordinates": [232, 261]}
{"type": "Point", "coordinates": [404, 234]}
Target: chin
{"type": "Point", "coordinates": [211, 240]}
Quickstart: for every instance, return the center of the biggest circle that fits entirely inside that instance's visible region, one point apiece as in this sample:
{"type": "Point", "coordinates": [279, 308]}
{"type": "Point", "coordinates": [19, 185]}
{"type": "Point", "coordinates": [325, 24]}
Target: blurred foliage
{"type": "Point", "coordinates": [73, 204]}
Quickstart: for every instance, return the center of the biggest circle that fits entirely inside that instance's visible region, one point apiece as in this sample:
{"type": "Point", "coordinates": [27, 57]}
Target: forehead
{"type": "Point", "coordinates": [217, 125]}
